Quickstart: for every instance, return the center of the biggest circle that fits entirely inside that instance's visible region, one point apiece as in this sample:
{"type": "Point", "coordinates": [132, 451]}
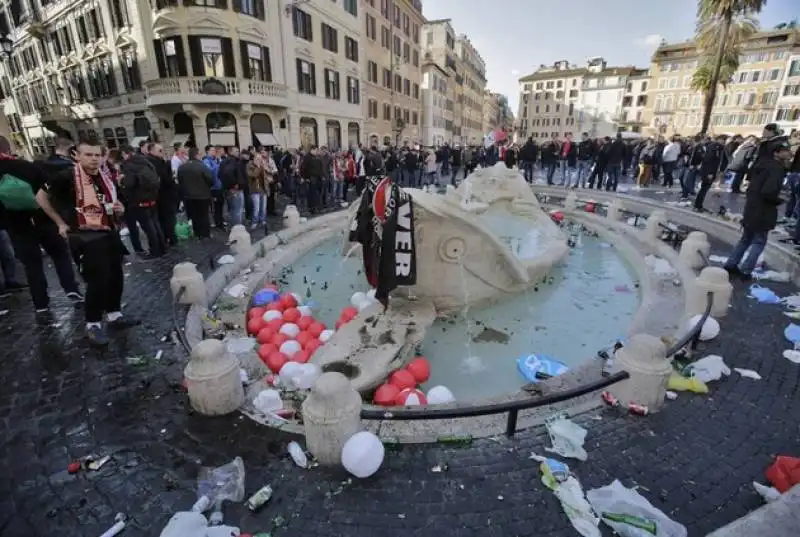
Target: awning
{"type": "Point", "coordinates": [180, 139]}
{"type": "Point", "coordinates": [137, 140]}
{"type": "Point", "coordinates": [266, 139]}
{"type": "Point", "coordinates": [224, 139]}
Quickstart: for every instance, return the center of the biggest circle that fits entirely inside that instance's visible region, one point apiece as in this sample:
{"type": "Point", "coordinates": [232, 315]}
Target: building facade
{"type": "Point", "coordinates": [492, 114]}
{"type": "Point", "coordinates": [787, 113]}
{"type": "Point", "coordinates": [549, 100]}
{"type": "Point", "coordinates": [599, 108]}
{"type": "Point", "coordinates": [239, 73]}
{"type": "Point", "coordinates": [743, 106]}
{"type": "Point", "coordinates": [471, 79]}
{"type": "Point", "coordinates": [393, 105]}
{"type": "Point", "coordinates": [634, 101]}
{"type": "Point", "coordinates": [437, 105]}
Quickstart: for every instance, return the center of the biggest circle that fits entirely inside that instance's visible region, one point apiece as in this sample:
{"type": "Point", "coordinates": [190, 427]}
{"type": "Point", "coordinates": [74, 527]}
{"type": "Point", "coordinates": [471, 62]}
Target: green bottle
{"type": "Point", "coordinates": [631, 520]}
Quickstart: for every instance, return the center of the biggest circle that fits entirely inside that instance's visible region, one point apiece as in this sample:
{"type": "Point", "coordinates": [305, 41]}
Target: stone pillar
{"type": "Point", "coordinates": [713, 280]}
{"type": "Point", "coordinates": [239, 240]}
{"type": "Point", "coordinates": [694, 242]}
{"type": "Point", "coordinates": [571, 201]}
{"type": "Point", "coordinates": [291, 216]}
{"type": "Point", "coordinates": [186, 276]}
{"type": "Point", "coordinates": [614, 210]}
{"type": "Point", "coordinates": [653, 227]}
{"type": "Point", "coordinates": [644, 357]}
{"type": "Point", "coordinates": [331, 415]}
{"type": "Point", "coordinates": [212, 379]}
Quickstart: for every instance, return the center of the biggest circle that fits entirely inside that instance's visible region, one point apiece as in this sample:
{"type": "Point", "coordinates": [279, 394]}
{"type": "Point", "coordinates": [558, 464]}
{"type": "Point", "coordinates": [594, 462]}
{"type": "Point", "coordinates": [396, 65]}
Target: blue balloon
{"type": "Point", "coordinates": [792, 333]}
{"type": "Point", "coordinates": [265, 296]}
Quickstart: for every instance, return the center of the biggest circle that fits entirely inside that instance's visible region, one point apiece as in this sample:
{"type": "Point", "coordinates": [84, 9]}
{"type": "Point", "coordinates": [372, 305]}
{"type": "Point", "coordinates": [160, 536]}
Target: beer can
{"type": "Point", "coordinates": [609, 399]}
{"type": "Point", "coordinates": [259, 499]}
{"type": "Point", "coordinates": [639, 410]}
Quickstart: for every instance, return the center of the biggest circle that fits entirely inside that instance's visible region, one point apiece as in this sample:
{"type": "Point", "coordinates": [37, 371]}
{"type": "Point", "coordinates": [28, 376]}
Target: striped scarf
{"type": "Point", "coordinates": [91, 199]}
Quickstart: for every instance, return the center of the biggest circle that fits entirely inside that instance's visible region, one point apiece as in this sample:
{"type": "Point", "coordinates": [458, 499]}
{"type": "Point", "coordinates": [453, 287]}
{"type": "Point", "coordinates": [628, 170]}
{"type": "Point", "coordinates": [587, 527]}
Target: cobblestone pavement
{"type": "Point", "coordinates": [61, 401]}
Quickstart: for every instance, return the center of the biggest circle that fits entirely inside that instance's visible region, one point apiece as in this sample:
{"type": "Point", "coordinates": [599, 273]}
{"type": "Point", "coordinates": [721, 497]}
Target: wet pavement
{"type": "Point", "coordinates": [62, 400]}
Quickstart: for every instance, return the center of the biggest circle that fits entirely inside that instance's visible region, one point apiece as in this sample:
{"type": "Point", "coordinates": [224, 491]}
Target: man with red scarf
{"type": "Point", "coordinates": [31, 229]}
{"type": "Point", "coordinates": [85, 197]}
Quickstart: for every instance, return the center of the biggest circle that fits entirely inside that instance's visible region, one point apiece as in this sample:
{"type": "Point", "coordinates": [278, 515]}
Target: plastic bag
{"type": "Point", "coordinates": [710, 368]}
{"type": "Point", "coordinates": [784, 473]}
{"type": "Point", "coordinates": [629, 513]}
{"type": "Point", "coordinates": [183, 230]}
{"type": "Point", "coordinates": [568, 490]}
{"type": "Point", "coordinates": [567, 437]}
{"type": "Point", "coordinates": [215, 485]}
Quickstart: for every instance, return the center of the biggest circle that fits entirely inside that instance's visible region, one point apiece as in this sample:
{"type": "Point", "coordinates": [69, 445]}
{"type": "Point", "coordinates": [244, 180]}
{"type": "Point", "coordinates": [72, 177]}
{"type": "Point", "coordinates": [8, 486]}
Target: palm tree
{"type": "Point", "coordinates": [723, 24]}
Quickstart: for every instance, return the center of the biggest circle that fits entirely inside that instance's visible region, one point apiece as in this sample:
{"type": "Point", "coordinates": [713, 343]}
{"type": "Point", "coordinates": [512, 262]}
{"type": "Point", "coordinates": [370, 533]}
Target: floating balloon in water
{"type": "Point", "coordinates": [440, 395]}
{"type": "Point", "coordinates": [289, 372]}
{"type": "Point", "coordinates": [271, 315]}
{"type": "Point", "coordinates": [386, 394]}
{"type": "Point", "coordinates": [348, 314]}
{"type": "Point", "coordinates": [402, 379]}
{"type": "Point", "coordinates": [371, 295]}
{"type": "Point", "coordinates": [265, 335]}
{"type": "Point", "coordinates": [290, 330]}
{"type": "Point", "coordinates": [265, 296]}
{"type": "Point", "coordinates": [710, 328]}
{"type": "Point", "coordinates": [316, 328]}
{"type": "Point", "coordinates": [362, 454]}
{"type": "Point", "coordinates": [255, 325]}
{"type": "Point", "coordinates": [265, 350]}
{"type": "Point", "coordinates": [291, 315]}
{"type": "Point", "coordinates": [290, 348]}
{"type": "Point", "coordinates": [325, 335]}
{"type": "Point", "coordinates": [357, 298]}
{"type": "Point", "coordinates": [411, 397]}
{"type": "Point", "coordinates": [276, 361]}
{"type": "Point", "coordinates": [288, 300]}
{"type": "Point", "coordinates": [297, 299]}
{"type": "Point", "coordinates": [364, 305]}
{"type": "Point", "coordinates": [420, 368]}
{"type": "Point", "coordinates": [305, 311]}
{"type": "Point", "coordinates": [255, 312]}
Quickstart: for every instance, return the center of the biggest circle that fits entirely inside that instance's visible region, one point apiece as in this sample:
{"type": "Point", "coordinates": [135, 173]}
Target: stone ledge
{"type": "Point", "coordinates": [780, 518]}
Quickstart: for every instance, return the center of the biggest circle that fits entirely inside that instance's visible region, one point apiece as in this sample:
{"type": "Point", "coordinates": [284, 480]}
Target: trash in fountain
{"type": "Point", "coordinates": [491, 335]}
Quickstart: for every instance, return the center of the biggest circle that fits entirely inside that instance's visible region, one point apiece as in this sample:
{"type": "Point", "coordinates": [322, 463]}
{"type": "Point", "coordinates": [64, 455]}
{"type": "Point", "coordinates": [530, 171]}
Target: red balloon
{"type": "Point", "coordinates": [265, 350]}
{"type": "Point", "coordinates": [316, 328]}
{"type": "Point", "coordinates": [275, 306]}
{"type": "Point", "coordinates": [279, 339]}
{"type": "Point", "coordinates": [304, 323]}
{"type": "Point", "coordinates": [301, 357]}
{"type": "Point", "coordinates": [255, 312]}
{"type": "Point", "coordinates": [291, 315]}
{"type": "Point", "coordinates": [265, 335]}
{"type": "Point", "coordinates": [403, 379]}
{"type": "Point", "coordinates": [420, 368]}
{"type": "Point", "coordinates": [276, 360]}
{"type": "Point", "coordinates": [288, 301]}
{"type": "Point", "coordinates": [255, 325]}
{"type": "Point", "coordinates": [275, 325]}
{"type": "Point", "coordinates": [386, 394]}
{"type": "Point", "coordinates": [312, 346]}
{"type": "Point", "coordinates": [349, 313]}
{"type": "Point", "coordinates": [303, 338]}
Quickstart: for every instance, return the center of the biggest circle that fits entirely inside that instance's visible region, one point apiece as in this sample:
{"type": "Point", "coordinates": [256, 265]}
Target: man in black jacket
{"type": "Point", "coordinates": [195, 181]}
{"type": "Point", "coordinates": [233, 184]}
{"type": "Point", "coordinates": [618, 156]}
{"type": "Point", "coordinates": [760, 211]}
{"type": "Point", "coordinates": [713, 156]}
{"type": "Point", "coordinates": [311, 171]}
{"type": "Point", "coordinates": [167, 204]}
{"type": "Point", "coordinates": [141, 184]}
{"type": "Point", "coordinates": [30, 230]}
{"type": "Point", "coordinates": [527, 158]}
{"type": "Point", "coordinates": [586, 155]}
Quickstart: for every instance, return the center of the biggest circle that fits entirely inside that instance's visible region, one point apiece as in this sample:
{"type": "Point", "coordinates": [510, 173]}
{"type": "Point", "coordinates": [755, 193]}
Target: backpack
{"type": "Point", "coordinates": [16, 194]}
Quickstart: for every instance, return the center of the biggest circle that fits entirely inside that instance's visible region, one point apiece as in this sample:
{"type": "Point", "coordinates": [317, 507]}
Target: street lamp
{"type": "Point", "coordinates": [6, 45]}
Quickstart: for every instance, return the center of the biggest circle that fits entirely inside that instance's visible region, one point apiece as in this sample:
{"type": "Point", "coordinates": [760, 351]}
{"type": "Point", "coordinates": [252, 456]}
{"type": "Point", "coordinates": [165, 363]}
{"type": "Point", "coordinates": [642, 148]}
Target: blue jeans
{"type": "Point", "coordinates": [527, 169]}
{"type": "Point", "coordinates": [235, 200]}
{"type": "Point", "coordinates": [550, 169]}
{"type": "Point", "coordinates": [411, 178]}
{"type": "Point", "coordinates": [259, 208]}
{"type": "Point", "coordinates": [687, 182]}
{"type": "Point", "coordinates": [613, 171]}
{"type": "Point", "coordinates": [752, 243]}
{"type": "Point", "coordinates": [582, 173]}
{"type": "Point", "coordinates": [567, 171]}
{"type": "Point", "coordinates": [338, 190]}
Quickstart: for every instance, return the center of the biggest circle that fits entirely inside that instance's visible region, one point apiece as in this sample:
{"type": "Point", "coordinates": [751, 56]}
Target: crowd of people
{"type": "Point", "coordinates": [77, 204]}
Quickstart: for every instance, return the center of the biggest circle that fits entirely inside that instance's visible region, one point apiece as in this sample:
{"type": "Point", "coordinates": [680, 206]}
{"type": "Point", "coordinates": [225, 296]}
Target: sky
{"type": "Point", "coordinates": [515, 36]}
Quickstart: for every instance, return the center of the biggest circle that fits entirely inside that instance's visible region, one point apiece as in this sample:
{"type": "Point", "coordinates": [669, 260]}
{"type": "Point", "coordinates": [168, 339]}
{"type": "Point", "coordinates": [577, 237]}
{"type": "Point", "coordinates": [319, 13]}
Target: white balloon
{"type": "Point", "coordinates": [272, 315]}
{"type": "Point", "coordinates": [290, 330]}
{"type": "Point", "coordinates": [357, 298]}
{"type": "Point", "coordinates": [364, 305]}
{"type": "Point", "coordinates": [440, 395]}
{"type": "Point", "coordinates": [268, 401]}
{"type": "Point", "coordinates": [326, 335]}
{"type": "Point", "coordinates": [307, 377]}
{"type": "Point", "coordinates": [290, 371]}
{"type": "Point", "coordinates": [290, 348]}
{"type": "Point", "coordinates": [297, 298]}
{"type": "Point", "coordinates": [710, 328]}
{"type": "Point", "coordinates": [305, 311]}
{"type": "Point", "coordinates": [371, 295]}
{"type": "Point", "coordinates": [362, 454]}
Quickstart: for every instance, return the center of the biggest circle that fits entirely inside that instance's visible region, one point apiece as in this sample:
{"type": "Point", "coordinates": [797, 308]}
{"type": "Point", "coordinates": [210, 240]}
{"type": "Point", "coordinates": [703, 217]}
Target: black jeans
{"type": "Point", "coordinates": [598, 173]}
{"type": "Point", "coordinates": [669, 169]}
{"type": "Point", "coordinates": [248, 202]}
{"type": "Point", "coordinates": [27, 237]}
{"type": "Point", "coordinates": [198, 211]}
{"type": "Point", "coordinates": [99, 256]}
{"type": "Point", "coordinates": [167, 218]}
{"type": "Point", "coordinates": [147, 218]}
{"type": "Point", "coordinates": [133, 229]}
{"type": "Point", "coordinates": [219, 205]}
{"type": "Point", "coordinates": [705, 186]}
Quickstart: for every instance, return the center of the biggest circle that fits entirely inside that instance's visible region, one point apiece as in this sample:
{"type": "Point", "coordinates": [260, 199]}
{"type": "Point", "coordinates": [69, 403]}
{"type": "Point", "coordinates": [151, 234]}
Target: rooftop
{"type": "Point", "coordinates": [550, 72]}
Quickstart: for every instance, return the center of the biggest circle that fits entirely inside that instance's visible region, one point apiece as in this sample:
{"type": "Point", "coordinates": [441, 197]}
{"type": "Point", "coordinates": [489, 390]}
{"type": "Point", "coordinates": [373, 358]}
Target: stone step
{"type": "Point", "coordinates": [780, 518]}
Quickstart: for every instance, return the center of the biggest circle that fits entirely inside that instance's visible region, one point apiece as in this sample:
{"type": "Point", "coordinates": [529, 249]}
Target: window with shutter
{"type": "Point", "coordinates": [161, 65]}
{"type": "Point", "coordinates": [228, 62]}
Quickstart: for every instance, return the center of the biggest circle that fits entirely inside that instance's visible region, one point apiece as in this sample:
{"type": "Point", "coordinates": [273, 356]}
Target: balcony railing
{"type": "Point", "coordinates": [54, 112]}
{"type": "Point", "coordinates": [195, 90]}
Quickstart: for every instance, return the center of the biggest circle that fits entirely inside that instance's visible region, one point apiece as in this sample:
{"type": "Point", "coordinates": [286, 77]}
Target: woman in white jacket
{"type": "Point", "coordinates": [430, 168]}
